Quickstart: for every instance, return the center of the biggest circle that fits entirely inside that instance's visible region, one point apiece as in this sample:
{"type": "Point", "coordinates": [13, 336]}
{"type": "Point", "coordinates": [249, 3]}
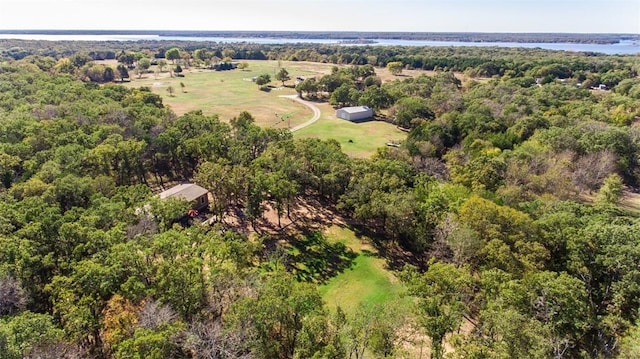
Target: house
{"type": "Point", "coordinates": [354, 113]}
{"type": "Point", "coordinates": [198, 196]}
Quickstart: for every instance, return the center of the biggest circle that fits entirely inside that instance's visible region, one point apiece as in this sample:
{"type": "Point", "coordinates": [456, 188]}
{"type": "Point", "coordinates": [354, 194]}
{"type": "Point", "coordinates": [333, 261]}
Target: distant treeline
{"type": "Point", "coordinates": [479, 62]}
{"type": "Point", "coordinates": [351, 35]}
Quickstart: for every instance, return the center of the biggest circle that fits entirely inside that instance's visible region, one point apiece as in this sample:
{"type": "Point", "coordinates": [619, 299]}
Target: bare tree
{"type": "Point", "coordinates": [210, 340]}
{"type": "Point", "coordinates": [57, 350]}
{"type": "Point", "coordinates": [155, 314]}
{"type": "Point", "coordinates": [461, 241]}
{"type": "Point", "coordinates": [227, 289]}
{"type": "Point", "coordinates": [431, 166]}
{"type": "Point", "coordinates": [590, 170]}
{"type": "Point", "coordinates": [12, 297]}
{"type": "Point", "coordinates": [146, 225]}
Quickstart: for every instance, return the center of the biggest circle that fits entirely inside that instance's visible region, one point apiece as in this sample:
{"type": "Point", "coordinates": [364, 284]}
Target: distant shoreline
{"type": "Point", "coordinates": [349, 36]}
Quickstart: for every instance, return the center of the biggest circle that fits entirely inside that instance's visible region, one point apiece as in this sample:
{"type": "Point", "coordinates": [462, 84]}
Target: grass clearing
{"type": "Point", "coordinates": [356, 139]}
{"type": "Point", "coordinates": [227, 93]}
{"type": "Point", "coordinates": [315, 259]}
{"type": "Point", "coordinates": [366, 281]}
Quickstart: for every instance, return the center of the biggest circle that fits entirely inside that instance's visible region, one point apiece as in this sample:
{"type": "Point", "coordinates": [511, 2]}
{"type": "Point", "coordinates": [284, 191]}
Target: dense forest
{"type": "Point", "coordinates": [357, 35]}
{"type": "Point", "coordinates": [501, 212]}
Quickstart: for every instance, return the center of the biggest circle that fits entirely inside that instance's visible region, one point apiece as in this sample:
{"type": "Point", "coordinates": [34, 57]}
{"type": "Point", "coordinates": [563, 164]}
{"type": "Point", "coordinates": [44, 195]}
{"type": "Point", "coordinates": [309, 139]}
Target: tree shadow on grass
{"type": "Point", "coordinates": [313, 259]}
{"type": "Point", "coordinates": [395, 256]}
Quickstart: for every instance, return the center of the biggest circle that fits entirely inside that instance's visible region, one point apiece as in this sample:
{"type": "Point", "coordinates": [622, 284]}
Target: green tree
{"type": "Point", "coordinates": [630, 344]}
{"type": "Point", "coordinates": [143, 65]}
{"type": "Point", "coordinates": [22, 333]}
{"type": "Point", "coordinates": [611, 189]}
{"type": "Point", "coordinates": [444, 293]}
{"type": "Point", "coordinates": [9, 165]}
{"type": "Point", "coordinates": [64, 65]}
{"type": "Point", "coordinates": [224, 182]}
{"type": "Point", "coordinates": [508, 235]}
{"type": "Point", "coordinates": [374, 327]}
{"type": "Point", "coordinates": [395, 67]}
{"type": "Point", "coordinates": [278, 315]}
{"type": "Point", "coordinates": [127, 58]}
{"type": "Point", "coordinates": [73, 191]}
{"type": "Point", "coordinates": [202, 55]}
{"type": "Point", "coordinates": [162, 63]}
{"type": "Point", "coordinates": [602, 254]}
{"type": "Point", "coordinates": [308, 86]}
{"type": "Point", "coordinates": [412, 111]}
{"type": "Point", "coordinates": [376, 98]}
{"type": "Point", "coordinates": [172, 54]}
{"type": "Point", "coordinates": [123, 73]}
{"type": "Point", "coordinates": [263, 80]}
{"type": "Point", "coordinates": [345, 95]}
{"type": "Point", "coordinates": [167, 210]}
{"type": "Point", "coordinates": [283, 75]}
{"type": "Point", "coordinates": [108, 75]}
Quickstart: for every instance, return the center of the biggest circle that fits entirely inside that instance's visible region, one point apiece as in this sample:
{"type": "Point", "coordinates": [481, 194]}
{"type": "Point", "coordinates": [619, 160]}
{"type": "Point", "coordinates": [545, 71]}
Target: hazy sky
{"type": "Point", "coordinates": [356, 15]}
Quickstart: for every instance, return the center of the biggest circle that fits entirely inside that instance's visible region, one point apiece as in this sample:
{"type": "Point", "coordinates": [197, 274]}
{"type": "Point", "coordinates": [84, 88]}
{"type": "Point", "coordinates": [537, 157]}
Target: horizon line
{"type": "Point", "coordinates": [139, 31]}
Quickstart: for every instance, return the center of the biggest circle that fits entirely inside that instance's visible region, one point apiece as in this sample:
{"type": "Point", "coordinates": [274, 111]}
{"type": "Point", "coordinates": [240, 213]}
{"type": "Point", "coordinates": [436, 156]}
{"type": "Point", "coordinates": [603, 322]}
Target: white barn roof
{"type": "Point", "coordinates": [354, 113]}
{"type": "Point", "coordinates": [187, 191]}
{"type": "Point", "coordinates": [356, 109]}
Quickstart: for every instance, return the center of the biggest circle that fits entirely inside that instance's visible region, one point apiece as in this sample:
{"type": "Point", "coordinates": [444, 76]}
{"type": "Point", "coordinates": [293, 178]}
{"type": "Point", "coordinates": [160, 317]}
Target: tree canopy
{"type": "Point", "coordinates": [507, 206]}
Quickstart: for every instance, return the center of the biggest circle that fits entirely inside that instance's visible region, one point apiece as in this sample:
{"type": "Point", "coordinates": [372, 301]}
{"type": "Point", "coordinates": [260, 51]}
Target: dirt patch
{"type": "Point", "coordinates": [630, 200]}
{"type": "Point", "coordinates": [305, 215]}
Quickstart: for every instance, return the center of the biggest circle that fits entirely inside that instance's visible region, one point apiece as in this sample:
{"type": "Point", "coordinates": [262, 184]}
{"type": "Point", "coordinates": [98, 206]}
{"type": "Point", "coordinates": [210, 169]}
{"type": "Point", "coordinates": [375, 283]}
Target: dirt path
{"type": "Point", "coordinates": [314, 108]}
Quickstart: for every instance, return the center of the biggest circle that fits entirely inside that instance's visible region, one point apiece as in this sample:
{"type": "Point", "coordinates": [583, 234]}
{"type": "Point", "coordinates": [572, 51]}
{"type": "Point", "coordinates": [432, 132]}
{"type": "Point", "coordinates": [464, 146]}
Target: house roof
{"type": "Point", "coordinates": [356, 109]}
{"type": "Point", "coordinates": [187, 191]}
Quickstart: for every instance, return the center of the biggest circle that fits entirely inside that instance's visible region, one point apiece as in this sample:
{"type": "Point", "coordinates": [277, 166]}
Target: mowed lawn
{"type": "Point", "coordinates": [356, 139]}
{"type": "Point", "coordinates": [365, 282]}
{"type": "Point", "coordinates": [227, 93]}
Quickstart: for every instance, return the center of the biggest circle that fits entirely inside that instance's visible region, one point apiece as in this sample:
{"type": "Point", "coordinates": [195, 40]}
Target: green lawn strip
{"type": "Point", "coordinates": [312, 258]}
{"type": "Point", "coordinates": [357, 139]}
{"type": "Point", "coordinates": [365, 282]}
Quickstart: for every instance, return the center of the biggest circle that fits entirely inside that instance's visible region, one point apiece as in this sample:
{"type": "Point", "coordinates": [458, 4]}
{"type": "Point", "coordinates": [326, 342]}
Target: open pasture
{"type": "Point", "coordinates": [227, 93]}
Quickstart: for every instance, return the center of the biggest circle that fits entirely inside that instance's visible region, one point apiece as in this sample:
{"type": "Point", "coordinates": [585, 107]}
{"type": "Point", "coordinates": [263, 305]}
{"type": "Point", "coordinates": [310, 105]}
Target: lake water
{"type": "Point", "coordinates": [621, 48]}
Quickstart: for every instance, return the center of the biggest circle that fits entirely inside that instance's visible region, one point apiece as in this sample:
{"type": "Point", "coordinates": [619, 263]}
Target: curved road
{"type": "Point", "coordinates": [314, 108]}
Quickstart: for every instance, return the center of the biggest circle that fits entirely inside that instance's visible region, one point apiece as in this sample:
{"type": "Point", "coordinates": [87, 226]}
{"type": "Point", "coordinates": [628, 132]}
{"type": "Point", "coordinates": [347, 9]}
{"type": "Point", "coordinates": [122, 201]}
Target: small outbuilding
{"type": "Point", "coordinates": [198, 196]}
{"type": "Point", "coordinates": [354, 113]}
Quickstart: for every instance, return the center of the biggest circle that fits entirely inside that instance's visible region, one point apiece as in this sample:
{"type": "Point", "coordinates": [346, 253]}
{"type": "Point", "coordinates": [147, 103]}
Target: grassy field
{"type": "Point", "coordinates": [366, 281]}
{"type": "Point", "coordinates": [356, 139]}
{"type": "Point", "coordinates": [227, 93]}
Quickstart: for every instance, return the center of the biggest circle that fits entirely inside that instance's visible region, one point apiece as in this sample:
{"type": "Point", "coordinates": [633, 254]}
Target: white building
{"type": "Point", "coordinates": [354, 113]}
{"type": "Point", "coordinates": [198, 196]}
